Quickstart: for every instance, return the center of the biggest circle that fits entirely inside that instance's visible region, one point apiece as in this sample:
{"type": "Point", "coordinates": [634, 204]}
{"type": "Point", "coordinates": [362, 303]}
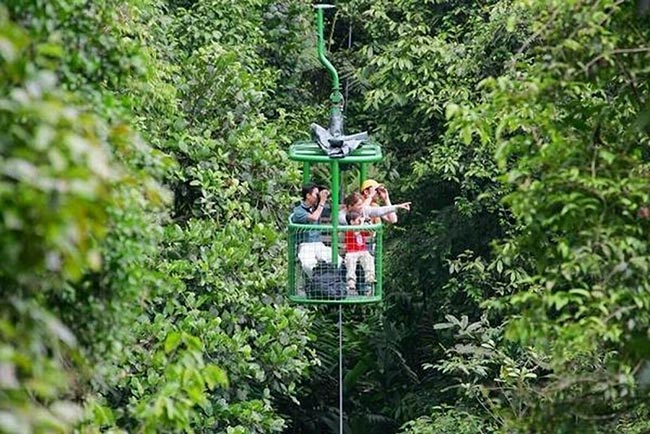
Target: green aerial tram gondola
{"type": "Point", "coordinates": [317, 276]}
{"type": "Point", "coordinates": [325, 282]}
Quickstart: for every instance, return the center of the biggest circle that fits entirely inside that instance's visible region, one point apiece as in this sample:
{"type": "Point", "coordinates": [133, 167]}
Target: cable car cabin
{"type": "Point", "coordinates": [318, 258]}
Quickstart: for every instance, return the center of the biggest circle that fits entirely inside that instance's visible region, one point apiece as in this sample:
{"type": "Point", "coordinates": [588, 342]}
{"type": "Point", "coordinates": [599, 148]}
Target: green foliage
{"type": "Point", "coordinates": [56, 176]}
{"type": "Point", "coordinates": [176, 314]}
{"type": "Point", "coordinates": [567, 119]}
{"type": "Point", "coordinates": [35, 379]}
{"type": "Point", "coordinates": [447, 421]}
{"type": "Point", "coordinates": [543, 104]}
{"type": "Point", "coordinates": [516, 289]}
{"type": "Point", "coordinates": [56, 173]}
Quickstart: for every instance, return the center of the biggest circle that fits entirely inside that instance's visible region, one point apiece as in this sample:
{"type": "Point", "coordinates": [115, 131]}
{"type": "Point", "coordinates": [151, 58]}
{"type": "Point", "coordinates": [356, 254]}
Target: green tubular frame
{"type": "Point", "coordinates": [336, 96]}
{"type": "Point", "coordinates": [363, 173]}
{"type": "Point", "coordinates": [334, 188]}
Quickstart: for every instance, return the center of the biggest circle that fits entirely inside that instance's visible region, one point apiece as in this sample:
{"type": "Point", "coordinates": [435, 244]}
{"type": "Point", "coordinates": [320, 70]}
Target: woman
{"type": "Point", "coordinates": [356, 202]}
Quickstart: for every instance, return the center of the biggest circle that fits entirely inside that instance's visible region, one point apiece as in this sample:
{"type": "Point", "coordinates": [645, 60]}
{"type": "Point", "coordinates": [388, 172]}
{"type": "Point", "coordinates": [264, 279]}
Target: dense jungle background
{"type": "Point", "coordinates": [145, 187]}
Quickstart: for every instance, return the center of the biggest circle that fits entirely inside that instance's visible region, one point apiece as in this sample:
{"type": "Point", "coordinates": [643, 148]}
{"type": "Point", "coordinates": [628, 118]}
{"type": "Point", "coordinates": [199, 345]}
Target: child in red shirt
{"type": "Point", "coordinates": [357, 252]}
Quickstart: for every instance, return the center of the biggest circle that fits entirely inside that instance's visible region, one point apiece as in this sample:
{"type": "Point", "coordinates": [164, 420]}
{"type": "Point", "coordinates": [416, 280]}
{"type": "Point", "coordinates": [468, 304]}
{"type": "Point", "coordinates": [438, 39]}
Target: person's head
{"type": "Point", "coordinates": [310, 193]}
{"type": "Point", "coordinates": [368, 185]}
{"type": "Point", "coordinates": [354, 202]}
{"type": "Point", "coordinates": [354, 218]}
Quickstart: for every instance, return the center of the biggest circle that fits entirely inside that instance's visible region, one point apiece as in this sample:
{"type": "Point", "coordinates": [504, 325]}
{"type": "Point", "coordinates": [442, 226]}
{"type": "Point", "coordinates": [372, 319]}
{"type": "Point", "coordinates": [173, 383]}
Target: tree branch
{"type": "Point", "coordinates": [615, 52]}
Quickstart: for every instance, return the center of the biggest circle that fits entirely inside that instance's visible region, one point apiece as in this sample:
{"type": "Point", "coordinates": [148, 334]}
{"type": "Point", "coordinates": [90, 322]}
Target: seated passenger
{"type": "Point", "coordinates": [357, 252]}
{"type": "Point", "coordinates": [310, 247]}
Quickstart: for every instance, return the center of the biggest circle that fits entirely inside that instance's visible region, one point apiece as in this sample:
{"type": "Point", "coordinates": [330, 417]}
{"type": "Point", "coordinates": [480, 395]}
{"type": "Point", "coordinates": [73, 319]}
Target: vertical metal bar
{"type": "Point", "coordinates": [341, 186]}
{"type": "Point", "coordinates": [340, 370]}
{"type": "Point", "coordinates": [306, 172]}
{"type": "Point", "coordinates": [363, 173]}
{"type": "Point", "coordinates": [291, 246]}
{"type": "Point", "coordinates": [334, 168]}
{"type": "Point", "coordinates": [379, 266]}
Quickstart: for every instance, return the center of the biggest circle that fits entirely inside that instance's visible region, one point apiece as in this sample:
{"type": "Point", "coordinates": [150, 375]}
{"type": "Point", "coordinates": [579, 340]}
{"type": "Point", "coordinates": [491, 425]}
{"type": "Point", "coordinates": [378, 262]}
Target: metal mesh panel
{"type": "Point", "coordinates": [323, 270]}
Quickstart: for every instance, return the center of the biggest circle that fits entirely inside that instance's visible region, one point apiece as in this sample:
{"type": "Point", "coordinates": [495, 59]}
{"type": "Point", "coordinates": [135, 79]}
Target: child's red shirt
{"type": "Point", "coordinates": [355, 241]}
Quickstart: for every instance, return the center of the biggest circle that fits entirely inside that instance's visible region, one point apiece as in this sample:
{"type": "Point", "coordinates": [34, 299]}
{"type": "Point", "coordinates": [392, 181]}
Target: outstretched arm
{"type": "Point", "coordinates": [380, 211]}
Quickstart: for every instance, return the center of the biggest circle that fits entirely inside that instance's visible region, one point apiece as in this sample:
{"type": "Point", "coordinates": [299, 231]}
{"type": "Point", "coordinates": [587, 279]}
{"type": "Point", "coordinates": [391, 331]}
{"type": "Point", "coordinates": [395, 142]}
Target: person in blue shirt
{"type": "Point", "coordinates": [310, 247]}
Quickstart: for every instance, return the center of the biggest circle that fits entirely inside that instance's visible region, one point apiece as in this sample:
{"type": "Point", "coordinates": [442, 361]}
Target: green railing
{"type": "Point", "coordinates": [318, 275]}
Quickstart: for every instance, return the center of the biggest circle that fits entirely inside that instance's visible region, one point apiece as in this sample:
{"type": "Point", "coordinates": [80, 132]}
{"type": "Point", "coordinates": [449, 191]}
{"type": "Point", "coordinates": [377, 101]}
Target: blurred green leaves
{"type": "Point", "coordinates": [161, 314]}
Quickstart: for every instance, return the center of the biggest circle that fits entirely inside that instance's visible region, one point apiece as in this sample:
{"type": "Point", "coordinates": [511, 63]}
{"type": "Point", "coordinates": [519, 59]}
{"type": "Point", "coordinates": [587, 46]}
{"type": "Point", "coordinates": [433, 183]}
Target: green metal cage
{"type": "Point", "coordinates": [315, 279]}
{"type": "Point", "coordinates": [305, 274]}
